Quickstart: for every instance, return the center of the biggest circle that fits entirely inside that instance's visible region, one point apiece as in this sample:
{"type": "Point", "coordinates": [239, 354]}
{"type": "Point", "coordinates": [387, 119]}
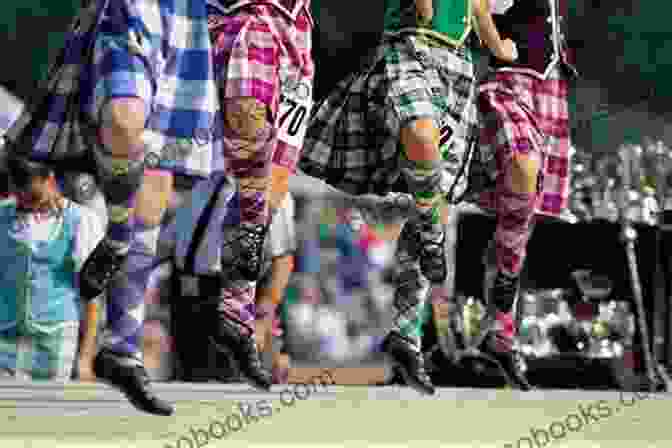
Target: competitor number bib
{"type": "Point", "coordinates": [296, 101]}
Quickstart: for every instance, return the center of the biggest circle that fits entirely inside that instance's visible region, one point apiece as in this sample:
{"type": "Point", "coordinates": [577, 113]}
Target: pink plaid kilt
{"type": "Point", "coordinates": [252, 49]}
{"type": "Point", "coordinates": [523, 113]}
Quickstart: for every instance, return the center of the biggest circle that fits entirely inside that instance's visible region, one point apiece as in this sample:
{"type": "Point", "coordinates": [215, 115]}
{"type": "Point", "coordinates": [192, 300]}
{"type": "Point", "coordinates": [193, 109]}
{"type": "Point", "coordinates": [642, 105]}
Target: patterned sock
{"type": "Point", "coordinates": [121, 224]}
{"type": "Point", "coordinates": [254, 208]}
{"type": "Point", "coordinates": [411, 293]}
{"type": "Point", "coordinates": [238, 302]}
{"type": "Point", "coordinates": [126, 302]}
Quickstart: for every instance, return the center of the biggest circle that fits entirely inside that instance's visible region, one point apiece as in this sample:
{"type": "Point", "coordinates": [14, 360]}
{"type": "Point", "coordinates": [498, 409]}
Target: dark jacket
{"type": "Point", "coordinates": [530, 24]}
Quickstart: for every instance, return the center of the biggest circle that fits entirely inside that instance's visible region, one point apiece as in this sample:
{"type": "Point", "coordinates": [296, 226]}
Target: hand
{"type": "Point", "coordinates": [85, 369]}
{"type": "Point", "coordinates": [507, 51]}
{"type": "Point", "coordinates": [424, 12]}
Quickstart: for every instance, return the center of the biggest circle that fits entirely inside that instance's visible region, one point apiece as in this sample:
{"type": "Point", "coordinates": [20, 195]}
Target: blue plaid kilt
{"type": "Point", "coordinates": [120, 48]}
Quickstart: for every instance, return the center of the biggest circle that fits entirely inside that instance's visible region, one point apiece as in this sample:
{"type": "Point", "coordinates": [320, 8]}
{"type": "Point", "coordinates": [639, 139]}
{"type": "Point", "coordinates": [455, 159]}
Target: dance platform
{"type": "Point", "coordinates": [94, 415]}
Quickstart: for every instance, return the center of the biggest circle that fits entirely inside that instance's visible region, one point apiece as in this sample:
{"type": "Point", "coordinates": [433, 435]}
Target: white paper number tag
{"type": "Point", "coordinates": [296, 101]}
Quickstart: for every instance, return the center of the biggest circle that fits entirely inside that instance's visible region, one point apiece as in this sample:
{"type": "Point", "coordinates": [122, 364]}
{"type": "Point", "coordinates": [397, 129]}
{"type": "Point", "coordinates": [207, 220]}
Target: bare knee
{"type": "Point", "coordinates": [524, 174]}
{"type": "Point", "coordinates": [246, 118]}
{"type": "Point", "coordinates": [420, 140]}
{"type": "Point", "coordinates": [153, 198]}
{"type": "Point", "coordinates": [122, 125]}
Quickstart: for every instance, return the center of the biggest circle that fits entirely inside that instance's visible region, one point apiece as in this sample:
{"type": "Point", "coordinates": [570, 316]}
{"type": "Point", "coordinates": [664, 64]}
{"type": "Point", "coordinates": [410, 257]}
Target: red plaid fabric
{"type": "Point", "coordinates": [526, 114]}
{"type": "Point", "coordinates": [258, 52]}
{"type": "Point", "coordinates": [523, 113]}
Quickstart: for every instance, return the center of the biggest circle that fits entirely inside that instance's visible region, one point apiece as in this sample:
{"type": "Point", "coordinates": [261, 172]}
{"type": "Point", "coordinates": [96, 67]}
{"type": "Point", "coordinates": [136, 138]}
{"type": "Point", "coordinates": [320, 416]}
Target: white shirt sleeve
{"type": "Point", "coordinates": [282, 234]}
{"type": "Point", "coordinates": [89, 233]}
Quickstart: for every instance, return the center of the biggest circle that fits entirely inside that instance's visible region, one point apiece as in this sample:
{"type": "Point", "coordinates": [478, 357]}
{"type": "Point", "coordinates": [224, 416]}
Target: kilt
{"type": "Point", "coordinates": [48, 355]}
{"type": "Point", "coordinates": [158, 52]}
{"type": "Point", "coordinates": [522, 113]}
{"type": "Point", "coordinates": [353, 138]}
{"type": "Point", "coordinates": [260, 53]}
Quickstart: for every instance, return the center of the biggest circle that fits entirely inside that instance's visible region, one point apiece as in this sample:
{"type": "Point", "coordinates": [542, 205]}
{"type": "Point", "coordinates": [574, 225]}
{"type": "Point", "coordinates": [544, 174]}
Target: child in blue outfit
{"type": "Point", "coordinates": [44, 240]}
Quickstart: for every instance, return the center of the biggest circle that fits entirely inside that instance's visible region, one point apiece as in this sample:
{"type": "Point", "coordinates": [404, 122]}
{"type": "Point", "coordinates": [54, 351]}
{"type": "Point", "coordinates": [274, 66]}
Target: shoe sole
{"type": "Point", "coordinates": [408, 379]}
{"type": "Point", "coordinates": [510, 377]}
{"type": "Point", "coordinates": [236, 365]}
{"type": "Point", "coordinates": [136, 404]}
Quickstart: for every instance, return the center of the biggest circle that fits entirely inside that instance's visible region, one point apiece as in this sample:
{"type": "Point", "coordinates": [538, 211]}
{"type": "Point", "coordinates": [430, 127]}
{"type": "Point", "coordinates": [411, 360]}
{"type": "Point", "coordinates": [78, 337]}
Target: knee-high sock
{"type": "Point", "coordinates": [411, 293]}
{"type": "Point", "coordinates": [237, 303]}
{"type": "Point", "coordinates": [126, 296]}
{"type": "Point", "coordinates": [515, 214]}
{"type": "Point", "coordinates": [424, 182]}
{"type": "Point", "coordinates": [249, 161]}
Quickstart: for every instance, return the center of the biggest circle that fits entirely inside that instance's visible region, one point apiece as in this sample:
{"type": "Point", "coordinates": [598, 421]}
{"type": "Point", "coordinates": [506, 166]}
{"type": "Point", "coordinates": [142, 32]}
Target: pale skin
{"type": "Point", "coordinates": [281, 270]}
{"type": "Point", "coordinates": [88, 344]}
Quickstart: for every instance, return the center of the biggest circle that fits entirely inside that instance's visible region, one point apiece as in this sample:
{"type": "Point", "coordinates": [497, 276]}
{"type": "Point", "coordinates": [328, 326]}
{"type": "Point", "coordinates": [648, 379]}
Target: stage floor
{"type": "Point", "coordinates": [91, 415]}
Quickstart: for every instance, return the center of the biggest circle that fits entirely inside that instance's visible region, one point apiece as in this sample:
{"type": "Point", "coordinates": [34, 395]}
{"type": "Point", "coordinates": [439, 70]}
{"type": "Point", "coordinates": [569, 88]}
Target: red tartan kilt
{"type": "Point", "coordinates": [522, 113]}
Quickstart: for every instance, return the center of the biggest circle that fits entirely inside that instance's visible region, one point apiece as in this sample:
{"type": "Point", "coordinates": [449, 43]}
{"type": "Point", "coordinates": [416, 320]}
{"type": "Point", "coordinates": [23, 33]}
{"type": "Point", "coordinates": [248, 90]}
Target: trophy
{"type": "Point", "coordinates": [631, 174]}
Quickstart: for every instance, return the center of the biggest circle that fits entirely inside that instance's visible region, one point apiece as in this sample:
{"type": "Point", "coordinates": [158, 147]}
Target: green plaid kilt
{"type": "Point", "coordinates": [43, 355]}
{"type": "Point", "coordinates": [353, 138]}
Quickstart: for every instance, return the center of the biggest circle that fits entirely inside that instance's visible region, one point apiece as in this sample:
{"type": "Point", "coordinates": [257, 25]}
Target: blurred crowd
{"type": "Point", "coordinates": [636, 178]}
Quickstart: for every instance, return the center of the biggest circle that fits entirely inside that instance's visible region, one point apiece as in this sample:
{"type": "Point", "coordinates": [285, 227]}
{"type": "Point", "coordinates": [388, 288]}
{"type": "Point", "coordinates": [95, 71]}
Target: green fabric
{"type": "Point", "coordinates": [393, 15]}
{"type": "Point", "coordinates": [46, 355]}
{"type": "Point", "coordinates": [424, 315]}
{"type": "Point", "coordinates": [449, 16]}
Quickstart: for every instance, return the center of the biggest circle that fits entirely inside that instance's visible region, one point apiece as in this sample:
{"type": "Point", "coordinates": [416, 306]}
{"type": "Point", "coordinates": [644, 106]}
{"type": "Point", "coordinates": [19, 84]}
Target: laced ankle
{"type": "Point", "coordinates": [105, 263]}
{"type": "Point", "coordinates": [247, 249]}
{"type": "Point", "coordinates": [505, 288]}
{"type": "Point", "coordinates": [253, 237]}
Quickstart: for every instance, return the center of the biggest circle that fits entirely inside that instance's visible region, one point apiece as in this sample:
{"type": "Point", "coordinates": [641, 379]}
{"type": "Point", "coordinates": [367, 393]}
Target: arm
{"type": "Point", "coordinates": [89, 232]}
{"type": "Point", "coordinates": [269, 297]}
{"type": "Point", "coordinates": [424, 10]}
{"type": "Point", "coordinates": [487, 31]}
{"type": "Point", "coordinates": [281, 271]}
{"type": "Point", "coordinates": [88, 345]}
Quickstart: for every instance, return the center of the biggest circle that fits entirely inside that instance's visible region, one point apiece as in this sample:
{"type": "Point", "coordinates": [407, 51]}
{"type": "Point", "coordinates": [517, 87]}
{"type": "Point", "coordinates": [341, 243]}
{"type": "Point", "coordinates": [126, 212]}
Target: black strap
{"type": "Point", "coordinates": [203, 220]}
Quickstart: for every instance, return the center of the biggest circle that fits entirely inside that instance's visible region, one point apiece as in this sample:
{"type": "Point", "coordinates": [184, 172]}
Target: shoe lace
{"type": "Point", "coordinates": [431, 237]}
{"type": "Point", "coordinates": [505, 286]}
{"type": "Point", "coordinates": [104, 262]}
{"type": "Point", "coordinates": [251, 240]}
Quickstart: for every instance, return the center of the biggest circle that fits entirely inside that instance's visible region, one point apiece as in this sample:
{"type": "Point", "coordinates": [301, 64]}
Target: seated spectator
{"type": "Point", "coordinates": [271, 289]}
{"type": "Point", "coordinates": [44, 240]}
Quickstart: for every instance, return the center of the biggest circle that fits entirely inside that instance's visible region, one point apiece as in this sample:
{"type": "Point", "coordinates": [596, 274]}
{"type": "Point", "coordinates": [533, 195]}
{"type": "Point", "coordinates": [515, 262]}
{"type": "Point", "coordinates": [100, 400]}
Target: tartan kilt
{"type": "Point", "coordinates": [44, 355]}
{"type": "Point", "coordinates": [62, 127]}
{"type": "Point", "coordinates": [353, 137]}
{"type": "Point", "coordinates": [521, 113]}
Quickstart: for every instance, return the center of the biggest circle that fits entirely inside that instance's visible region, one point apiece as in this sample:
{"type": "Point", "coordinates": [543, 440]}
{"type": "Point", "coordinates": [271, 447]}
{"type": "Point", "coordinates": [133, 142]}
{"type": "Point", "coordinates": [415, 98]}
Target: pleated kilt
{"type": "Point", "coordinates": [353, 137]}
